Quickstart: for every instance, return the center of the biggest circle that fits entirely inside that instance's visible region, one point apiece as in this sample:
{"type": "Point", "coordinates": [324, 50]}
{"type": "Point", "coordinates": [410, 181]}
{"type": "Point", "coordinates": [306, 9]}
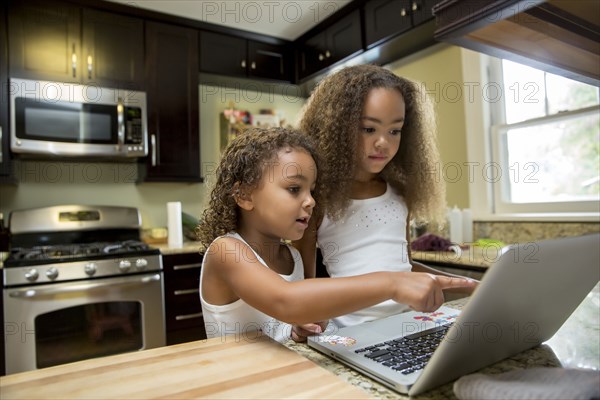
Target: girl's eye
{"type": "Point", "coordinates": [294, 189]}
{"type": "Point", "coordinates": [368, 130]}
{"type": "Point", "coordinates": [396, 132]}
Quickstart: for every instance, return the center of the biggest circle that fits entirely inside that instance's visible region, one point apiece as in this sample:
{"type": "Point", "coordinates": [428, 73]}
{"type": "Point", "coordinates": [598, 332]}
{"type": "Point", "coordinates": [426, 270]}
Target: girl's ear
{"type": "Point", "coordinates": [242, 197]}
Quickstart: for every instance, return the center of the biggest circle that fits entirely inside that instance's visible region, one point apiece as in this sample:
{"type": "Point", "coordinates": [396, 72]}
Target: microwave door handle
{"type": "Point", "coordinates": [121, 121]}
{"type": "Point", "coordinates": [153, 145]}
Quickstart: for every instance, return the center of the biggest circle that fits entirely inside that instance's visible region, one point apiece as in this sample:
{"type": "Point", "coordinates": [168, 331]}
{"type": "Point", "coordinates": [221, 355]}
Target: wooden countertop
{"type": "Point", "coordinates": [216, 368]}
{"type": "Point", "coordinates": [262, 368]}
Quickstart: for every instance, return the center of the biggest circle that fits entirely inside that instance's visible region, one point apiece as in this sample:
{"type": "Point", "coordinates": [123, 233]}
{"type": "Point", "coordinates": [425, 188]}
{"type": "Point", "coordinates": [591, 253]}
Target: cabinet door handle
{"type": "Point", "coordinates": [253, 65]}
{"type": "Point", "coordinates": [74, 61]}
{"type": "Point", "coordinates": [403, 12]}
{"type": "Point", "coordinates": [415, 6]}
{"type": "Point", "coordinates": [321, 57]}
{"type": "Point", "coordinates": [186, 266]}
{"type": "Point", "coordinates": [0, 144]}
{"type": "Point", "coordinates": [188, 316]}
{"type": "Point", "coordinates": [243, 64]}
{"type": "Point", "coordinates": [153, 149]}
{"type": "Point", "coordinates": [327, 54]}
{"type": "Point", "coordinates": [183, 292]}
{"type": "Point", "coordinates": [89, 65]}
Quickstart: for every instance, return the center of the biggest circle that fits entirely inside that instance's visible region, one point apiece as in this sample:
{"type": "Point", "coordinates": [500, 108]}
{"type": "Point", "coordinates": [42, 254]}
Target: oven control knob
{"type": "Point", "coordinates": [52, 273]}
{"type": "Point", "coordinates": [141, 263]}
{"type": "Point", "coordinates": [90, 268]}
{"type": "Point", "coordinates": [31, 275]}
{"type": "Point", "coordinates": [124, 265]}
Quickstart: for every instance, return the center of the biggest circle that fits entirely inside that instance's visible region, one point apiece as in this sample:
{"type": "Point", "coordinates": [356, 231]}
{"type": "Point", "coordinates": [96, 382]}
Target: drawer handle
{"type": "Point", "coordinates": [188, 316]}
{"type": "Point", "coordinates": [186, 266]}
{"type": "Point", "coordinates": [185, 291]}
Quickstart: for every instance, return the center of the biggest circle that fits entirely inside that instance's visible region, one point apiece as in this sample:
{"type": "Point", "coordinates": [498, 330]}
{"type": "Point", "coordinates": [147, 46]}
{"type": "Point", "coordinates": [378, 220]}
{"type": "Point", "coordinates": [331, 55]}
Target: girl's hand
{"type": "Point", "coordinates": [424, 291]}
{"type": "Point", "coordinates": [301, 332]}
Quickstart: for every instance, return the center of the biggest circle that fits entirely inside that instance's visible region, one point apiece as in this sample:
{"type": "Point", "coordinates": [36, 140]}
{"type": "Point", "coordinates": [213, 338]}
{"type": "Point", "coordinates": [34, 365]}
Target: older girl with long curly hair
{"type": "Point", "coordinates": [376, 137]}
{"type": "Point", "coordinates": [252, 280]}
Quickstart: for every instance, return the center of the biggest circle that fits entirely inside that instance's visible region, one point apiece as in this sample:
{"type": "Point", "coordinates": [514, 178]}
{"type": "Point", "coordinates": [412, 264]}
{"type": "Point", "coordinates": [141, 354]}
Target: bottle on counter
{"type": "Point", "coordinates": [467, 229]}
{"type": "Point", "coordinates": [456, 225]}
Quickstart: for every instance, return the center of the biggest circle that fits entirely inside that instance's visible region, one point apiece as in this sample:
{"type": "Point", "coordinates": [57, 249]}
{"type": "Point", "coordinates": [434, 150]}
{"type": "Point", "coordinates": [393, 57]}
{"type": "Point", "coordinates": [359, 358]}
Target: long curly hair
{"type": "Point", "coordinates": [332, 116]}
{"type": "Point", "coordinates": [242, 166]}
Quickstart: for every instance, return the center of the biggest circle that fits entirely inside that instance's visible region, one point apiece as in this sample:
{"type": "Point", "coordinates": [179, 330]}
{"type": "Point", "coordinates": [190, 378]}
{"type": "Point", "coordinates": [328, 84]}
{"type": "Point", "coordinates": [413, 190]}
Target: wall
{"type": "Point", "coordinates": [48, 183]}
{"type": "Point", "coordinates": [439, 69]}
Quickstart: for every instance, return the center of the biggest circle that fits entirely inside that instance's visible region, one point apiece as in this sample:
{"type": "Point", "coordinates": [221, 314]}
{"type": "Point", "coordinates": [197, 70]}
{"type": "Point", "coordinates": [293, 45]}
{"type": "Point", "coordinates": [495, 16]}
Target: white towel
{"type": "Point", "coordinates": [532, 383]}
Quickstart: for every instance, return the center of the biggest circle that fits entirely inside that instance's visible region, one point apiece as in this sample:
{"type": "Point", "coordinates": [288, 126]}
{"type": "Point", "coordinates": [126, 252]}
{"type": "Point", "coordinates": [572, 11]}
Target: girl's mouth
{"type": "Point", "coordinates": [303, 221]}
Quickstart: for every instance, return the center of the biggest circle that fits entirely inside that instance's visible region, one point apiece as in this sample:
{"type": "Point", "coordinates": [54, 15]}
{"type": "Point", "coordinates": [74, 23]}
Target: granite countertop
{"type": "Point", "coordinates": [575, 345]}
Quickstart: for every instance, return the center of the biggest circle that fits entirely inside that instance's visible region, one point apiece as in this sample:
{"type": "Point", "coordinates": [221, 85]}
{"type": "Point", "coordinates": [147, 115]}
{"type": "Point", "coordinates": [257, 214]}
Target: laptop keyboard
{"type": "Point", "coordinates": [409, 353]}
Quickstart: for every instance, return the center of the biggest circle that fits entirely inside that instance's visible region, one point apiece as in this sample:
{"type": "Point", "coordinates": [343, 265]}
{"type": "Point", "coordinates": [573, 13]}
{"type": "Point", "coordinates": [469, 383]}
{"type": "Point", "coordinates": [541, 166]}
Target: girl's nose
{"type": "Point", "coordinates": [309, 202]}
{"type": "Point", "coordinates": [380, 141]}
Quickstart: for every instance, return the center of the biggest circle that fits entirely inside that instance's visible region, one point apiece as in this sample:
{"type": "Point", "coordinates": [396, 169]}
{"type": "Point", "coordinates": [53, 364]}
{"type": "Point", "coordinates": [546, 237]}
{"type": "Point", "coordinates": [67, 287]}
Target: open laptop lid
{"type": "Point", "coordinates": [521, 302]}
{"type": "Point", "coordinates": [526, 296]}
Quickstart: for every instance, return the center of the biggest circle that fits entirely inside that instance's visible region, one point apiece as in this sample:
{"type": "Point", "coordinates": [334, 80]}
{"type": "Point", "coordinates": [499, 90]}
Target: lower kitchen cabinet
{"type": "Point", "coordinates": [183, 312]}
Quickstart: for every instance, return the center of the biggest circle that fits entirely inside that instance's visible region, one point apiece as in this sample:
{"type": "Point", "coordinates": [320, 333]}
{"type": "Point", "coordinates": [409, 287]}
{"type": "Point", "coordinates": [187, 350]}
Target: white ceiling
{"type": "Point", "coordinates": [283, 19]}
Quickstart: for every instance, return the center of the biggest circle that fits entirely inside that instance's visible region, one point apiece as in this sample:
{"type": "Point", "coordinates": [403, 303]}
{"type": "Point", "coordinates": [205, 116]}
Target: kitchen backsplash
{"type": "Point", "coordinates": [520, 232]}
{"type": "Point", "coordinates": [511, 232]}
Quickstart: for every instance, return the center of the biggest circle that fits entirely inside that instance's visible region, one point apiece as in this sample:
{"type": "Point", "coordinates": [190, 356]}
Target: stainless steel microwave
{"type": "Point", "coordinates": [70, 120]}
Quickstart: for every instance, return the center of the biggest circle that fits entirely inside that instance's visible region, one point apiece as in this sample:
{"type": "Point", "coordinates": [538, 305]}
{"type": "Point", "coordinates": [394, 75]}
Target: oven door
{"type": "Point", "coordinates": [53, 324]}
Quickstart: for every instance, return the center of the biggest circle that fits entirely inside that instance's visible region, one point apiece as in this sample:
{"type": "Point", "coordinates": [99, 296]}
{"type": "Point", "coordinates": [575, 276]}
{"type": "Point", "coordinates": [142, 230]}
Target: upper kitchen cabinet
{"type": "Point", "coordinates": [59, 41]}
{"type": "Point", "coordinates": [5, 164]}
{"type": "Point", "coordinates": [172, 101]}
{"type": "Point", "coordinates": [338, 41]}
{"type": "Point", "coordinates": [387, 18]}
{"type": "Point", "coordinates": [557, 36]}
{"type": "Point", "coordinates": [235, 56]}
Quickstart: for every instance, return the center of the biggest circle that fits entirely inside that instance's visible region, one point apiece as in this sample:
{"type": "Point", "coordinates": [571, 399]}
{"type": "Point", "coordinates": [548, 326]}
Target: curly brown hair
{"type": "Point", "coordinates": [332, 116]}
{"type": "Point", "coordinates": [242, 166]}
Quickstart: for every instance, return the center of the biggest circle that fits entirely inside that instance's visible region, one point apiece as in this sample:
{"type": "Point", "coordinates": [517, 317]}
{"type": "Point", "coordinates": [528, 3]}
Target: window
{"type": "Point", "coordinates": [545, 141]}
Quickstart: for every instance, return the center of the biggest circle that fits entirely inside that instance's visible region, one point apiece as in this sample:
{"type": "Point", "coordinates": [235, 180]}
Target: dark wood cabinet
{"type": "Point", "coordinates": [183, 312]}
{"type": "Point", "coordinates": [173, 105]}
{"type": "Point", "coordinates": [338, 41]}
{"type": "Point", "coordinates": [5, 161]}
{"type": "Point", "coordinates": [113, 50]}
{"type": "Point", "coordinates": [59, 41]}
{"type": "Point", "coordinates": [235, 56]}
{"type": "Point", "coordinates": [556, 36]}
{"type": "Point", "coordinates": [387, 18]}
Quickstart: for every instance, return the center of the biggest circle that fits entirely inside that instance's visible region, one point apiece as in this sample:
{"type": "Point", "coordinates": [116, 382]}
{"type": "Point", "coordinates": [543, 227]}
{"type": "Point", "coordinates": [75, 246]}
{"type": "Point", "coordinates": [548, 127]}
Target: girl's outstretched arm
{"type": "Point", "coordinates": [302, 302]}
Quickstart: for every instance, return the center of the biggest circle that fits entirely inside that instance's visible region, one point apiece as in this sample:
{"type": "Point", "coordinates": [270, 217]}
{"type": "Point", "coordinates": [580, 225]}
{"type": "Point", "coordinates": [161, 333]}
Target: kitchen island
{"type": "Point", "coordinates": [250, 367]}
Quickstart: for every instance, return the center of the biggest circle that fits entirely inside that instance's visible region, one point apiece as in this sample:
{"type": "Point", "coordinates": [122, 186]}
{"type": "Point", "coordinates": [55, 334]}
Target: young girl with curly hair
{"type": "Point", "coordinates": [376, 137]}
{"type": "Point", "coordinates": [252, 280]}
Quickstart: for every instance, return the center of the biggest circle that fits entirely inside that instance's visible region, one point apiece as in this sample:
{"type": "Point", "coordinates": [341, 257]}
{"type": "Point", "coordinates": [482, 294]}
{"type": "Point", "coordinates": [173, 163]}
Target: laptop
{"type": "Point", "coordinates": [522, 300]}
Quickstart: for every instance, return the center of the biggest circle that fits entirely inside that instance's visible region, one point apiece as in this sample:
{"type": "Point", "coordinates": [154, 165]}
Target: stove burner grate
{"type": "Point", "coordinates": [76, 250]}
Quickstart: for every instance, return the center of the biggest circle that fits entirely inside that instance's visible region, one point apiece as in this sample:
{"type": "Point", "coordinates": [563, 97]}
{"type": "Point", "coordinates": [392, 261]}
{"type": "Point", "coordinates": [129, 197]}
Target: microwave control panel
{"type": "Point", "coordinates": [133, 126]}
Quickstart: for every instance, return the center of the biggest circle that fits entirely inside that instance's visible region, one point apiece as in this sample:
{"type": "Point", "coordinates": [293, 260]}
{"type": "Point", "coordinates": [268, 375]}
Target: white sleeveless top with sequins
{"type": "Point", "coordinates": [370, 237]}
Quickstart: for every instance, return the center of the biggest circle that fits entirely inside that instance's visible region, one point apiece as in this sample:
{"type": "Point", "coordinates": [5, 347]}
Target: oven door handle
{"type": "Point", "coordinates": [59, 289]}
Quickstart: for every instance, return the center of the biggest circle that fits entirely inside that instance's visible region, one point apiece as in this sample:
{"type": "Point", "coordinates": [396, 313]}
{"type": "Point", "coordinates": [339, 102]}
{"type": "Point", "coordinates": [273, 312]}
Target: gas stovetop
{"type": "Point", "coordinates": [76, 242]}
{"type": "Point", "coordinates": [40, 255]}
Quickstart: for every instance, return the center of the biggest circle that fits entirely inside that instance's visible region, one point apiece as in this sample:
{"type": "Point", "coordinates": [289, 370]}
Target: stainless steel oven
{"type": "Point", "coordinates": [79, 284]}
{"type": "Point", "coordinates": [68, 120]}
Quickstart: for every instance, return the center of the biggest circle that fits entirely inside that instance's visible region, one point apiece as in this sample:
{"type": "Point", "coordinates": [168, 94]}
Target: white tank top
{"type": "Point", "coordinates": [239, 318]}
{"type": "Point", "coordinates": [370, 237]}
